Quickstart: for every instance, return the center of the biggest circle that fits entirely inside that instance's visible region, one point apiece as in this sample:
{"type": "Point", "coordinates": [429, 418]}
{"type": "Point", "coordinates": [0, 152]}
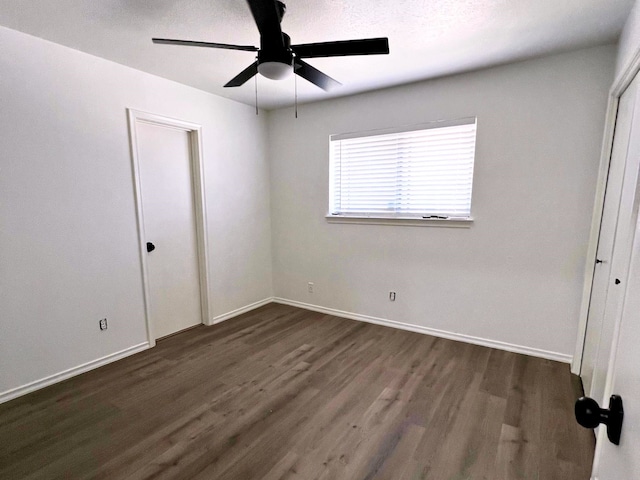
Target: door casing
{"type": "Point", "coordinates": [620, 84]}
{"type": "Point", "coordinates": [194, 132]}
{"type": "Point", "coordinates": [614, 221]}
{"type": "Point", "coordinates": [625, 261]}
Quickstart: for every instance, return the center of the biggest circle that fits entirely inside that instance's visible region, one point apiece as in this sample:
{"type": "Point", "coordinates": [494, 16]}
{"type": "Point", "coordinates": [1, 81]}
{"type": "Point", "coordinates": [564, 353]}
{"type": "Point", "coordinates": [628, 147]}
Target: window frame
{"type": "Point", "coordinates": [392, 219]}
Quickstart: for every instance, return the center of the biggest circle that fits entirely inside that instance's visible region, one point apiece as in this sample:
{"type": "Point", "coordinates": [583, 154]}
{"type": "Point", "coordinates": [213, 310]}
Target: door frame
{"type": "Point", "coordinates": [620, 84]}
{"type": "Point", "coordinates": [194, 132]}
{"type": "Point", "coordinates": [601, 436]}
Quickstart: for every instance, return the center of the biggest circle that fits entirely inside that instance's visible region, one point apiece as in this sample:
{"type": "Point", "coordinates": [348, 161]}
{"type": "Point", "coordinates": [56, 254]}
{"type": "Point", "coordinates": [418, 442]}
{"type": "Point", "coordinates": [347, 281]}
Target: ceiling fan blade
{"type": "Point", "coordinates": [267, 18]}
{"type": "Point", "coordinates": [315, 76]}
{"type": "Point", "coordinates": [243, 76]}
{"type": "Point", "coordinates": [367, 46]}
{"type": "Point", "coordinates": [189, 43]}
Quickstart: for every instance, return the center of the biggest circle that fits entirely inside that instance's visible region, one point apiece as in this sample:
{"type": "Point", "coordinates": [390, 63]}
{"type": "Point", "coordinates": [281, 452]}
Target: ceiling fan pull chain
{"type": "Point", "coordinates": [295, 89]}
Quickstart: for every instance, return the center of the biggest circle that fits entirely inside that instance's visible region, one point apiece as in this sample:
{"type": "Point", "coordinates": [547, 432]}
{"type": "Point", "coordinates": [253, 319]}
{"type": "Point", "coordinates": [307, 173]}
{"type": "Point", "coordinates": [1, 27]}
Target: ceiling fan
{"type": "Point", "coordinates": [277, 58]}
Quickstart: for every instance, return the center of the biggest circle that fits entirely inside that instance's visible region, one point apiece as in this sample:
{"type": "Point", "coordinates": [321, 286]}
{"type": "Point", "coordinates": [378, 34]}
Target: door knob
{"type": "Point", "coordinates": [590, 415]}
{"type": "Point", "coordinates": [599, 261]}
{"type": "Point", "coordinates": [150, 247]}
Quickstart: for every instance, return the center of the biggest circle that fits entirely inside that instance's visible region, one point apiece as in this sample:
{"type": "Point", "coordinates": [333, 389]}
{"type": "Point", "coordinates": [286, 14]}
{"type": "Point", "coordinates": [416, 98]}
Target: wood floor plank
{"type": "Point", "coordinates": [511, 455]}
{"type": "Point", "coordinates": [283, 393]}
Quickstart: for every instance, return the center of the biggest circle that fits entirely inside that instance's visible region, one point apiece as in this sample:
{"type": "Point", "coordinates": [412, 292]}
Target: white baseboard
{"type": "Point", "coordinates": [72, 372]}
{"type": "Point", "coordinates": [509, 347]}
{"type": "Point", "coordinates": [240, 311]}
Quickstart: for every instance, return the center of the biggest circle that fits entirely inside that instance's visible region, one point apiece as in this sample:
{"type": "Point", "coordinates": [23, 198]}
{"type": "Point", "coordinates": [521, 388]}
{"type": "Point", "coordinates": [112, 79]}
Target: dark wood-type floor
{"type": "Point", "coordinates": [286, 393]}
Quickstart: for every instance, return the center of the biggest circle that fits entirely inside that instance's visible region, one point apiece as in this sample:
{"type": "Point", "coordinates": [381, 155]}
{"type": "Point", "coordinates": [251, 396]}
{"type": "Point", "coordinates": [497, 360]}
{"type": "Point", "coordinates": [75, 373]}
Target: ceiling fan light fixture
{"type": "Point", "coordinates": [277, 58]}
{"type": "Point", "coordinates": [275, 70]}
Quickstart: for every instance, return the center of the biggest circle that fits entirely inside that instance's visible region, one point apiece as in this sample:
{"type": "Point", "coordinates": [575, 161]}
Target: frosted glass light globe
{"type": "Point", "coordinates": [275, 70]}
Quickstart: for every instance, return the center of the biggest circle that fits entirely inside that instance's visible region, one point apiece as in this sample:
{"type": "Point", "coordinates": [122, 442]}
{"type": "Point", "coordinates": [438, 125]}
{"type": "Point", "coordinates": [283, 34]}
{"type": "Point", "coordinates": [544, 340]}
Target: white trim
{"type": "Point", "coordinates": [594, 234]}
{"type": "Point", "coordinates": [509, 347]}
{"type": "Point", "coordinates": [240, 311]}
{"type": "Point", "coordinates": [404, 221]}
{"type": "Point", "coordinates": [197, 175]}
{"type": "Point", "coordinates": [619, 86]}
{"type": "Point", "coordinates": [71, 372]}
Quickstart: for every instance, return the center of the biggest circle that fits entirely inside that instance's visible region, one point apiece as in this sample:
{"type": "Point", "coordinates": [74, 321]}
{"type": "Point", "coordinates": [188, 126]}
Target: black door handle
{"type": "Point", "coordinates": [590, 415]}
{"type": "Point", "coordinates": [150, 247]}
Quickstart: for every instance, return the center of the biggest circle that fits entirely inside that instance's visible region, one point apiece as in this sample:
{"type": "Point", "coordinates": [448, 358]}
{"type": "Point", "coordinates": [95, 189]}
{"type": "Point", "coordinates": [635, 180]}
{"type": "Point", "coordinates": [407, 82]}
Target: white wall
{"type": "Point", "coordinates": [68, 240]}
{"type": "Point", "coordinates": [516, 275]}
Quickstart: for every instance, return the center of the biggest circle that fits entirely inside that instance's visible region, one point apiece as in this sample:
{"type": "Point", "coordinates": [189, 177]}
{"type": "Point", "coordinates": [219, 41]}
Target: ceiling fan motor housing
{"type": "Point", "coordinates": [275, 62]}
{"type": "Point", "coordinates": [276, 53]}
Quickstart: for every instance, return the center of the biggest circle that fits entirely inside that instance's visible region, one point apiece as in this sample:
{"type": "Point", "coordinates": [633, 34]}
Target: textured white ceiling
{"type": "Point", "coordinates": [428, 38]}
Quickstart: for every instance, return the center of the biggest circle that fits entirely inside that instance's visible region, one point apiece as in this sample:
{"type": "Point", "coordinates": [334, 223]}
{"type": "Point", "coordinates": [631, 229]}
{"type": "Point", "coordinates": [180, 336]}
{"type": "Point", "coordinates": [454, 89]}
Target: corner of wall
{"type": "Point", "coordinates": [629, 42]}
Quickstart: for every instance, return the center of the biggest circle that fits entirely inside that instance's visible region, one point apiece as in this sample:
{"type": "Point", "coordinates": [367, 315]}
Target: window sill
{"type": "Point", "coordinates": [404, 221]}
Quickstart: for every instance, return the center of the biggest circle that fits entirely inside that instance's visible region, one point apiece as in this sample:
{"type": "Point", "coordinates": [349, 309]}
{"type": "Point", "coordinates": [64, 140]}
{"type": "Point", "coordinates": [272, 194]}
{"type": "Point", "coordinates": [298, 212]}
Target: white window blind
{"type": "Point", "coordinates": [424, 171]}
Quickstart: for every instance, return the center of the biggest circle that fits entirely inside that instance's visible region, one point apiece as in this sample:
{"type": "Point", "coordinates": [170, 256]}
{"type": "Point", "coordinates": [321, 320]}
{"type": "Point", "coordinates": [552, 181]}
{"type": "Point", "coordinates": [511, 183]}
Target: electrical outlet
{"type": "Point", "coordinates": [392, 296]}
{"type": "Point", "coordinates": [310, 287]}
{"type": "Point", "coordinates": [103, 324]}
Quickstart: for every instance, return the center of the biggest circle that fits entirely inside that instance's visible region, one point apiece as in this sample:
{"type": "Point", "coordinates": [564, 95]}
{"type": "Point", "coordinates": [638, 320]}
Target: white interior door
{"type": "Point", "coordinates": [599, 331]}
{"type": "Point", "coordinates": [623, 462]}
{"type": "Point", "coordinates": [169, 223]}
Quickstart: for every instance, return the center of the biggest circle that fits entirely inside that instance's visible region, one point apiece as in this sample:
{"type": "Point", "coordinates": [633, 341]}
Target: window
{"type": "Point", "coordinates": [421, 172]}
